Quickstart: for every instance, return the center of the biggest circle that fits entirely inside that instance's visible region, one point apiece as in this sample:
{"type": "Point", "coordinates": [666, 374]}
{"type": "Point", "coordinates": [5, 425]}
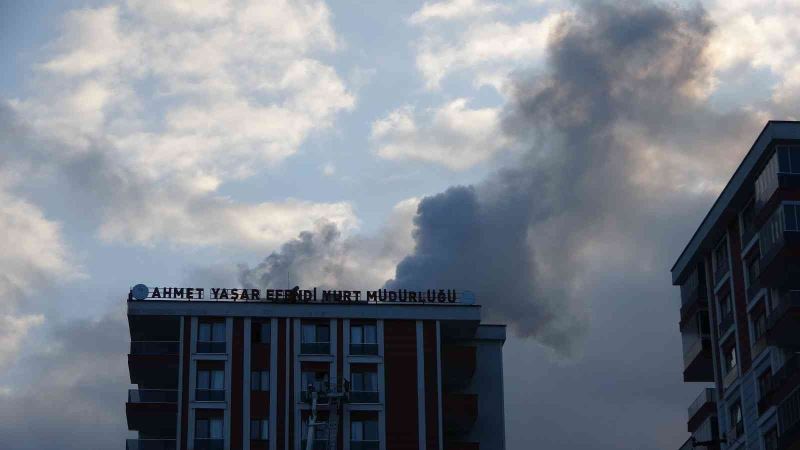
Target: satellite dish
{"type": "Point", "coordinates": [140, 292]}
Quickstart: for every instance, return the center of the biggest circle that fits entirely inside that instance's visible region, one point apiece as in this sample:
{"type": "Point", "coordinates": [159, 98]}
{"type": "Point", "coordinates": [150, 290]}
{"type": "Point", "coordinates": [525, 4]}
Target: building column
{"type": "Point", "coordinates": [421, 386]}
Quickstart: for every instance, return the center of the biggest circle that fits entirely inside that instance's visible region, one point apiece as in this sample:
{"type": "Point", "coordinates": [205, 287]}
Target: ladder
{"type": "Point", "coordinates": [333, 422]}
{"type": "Point", "coordinates": [336, 399]}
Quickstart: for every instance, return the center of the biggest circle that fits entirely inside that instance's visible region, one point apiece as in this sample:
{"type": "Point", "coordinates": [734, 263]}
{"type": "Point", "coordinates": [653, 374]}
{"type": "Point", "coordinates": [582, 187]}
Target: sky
{"type": "Point", "coordinates": [553, 157]}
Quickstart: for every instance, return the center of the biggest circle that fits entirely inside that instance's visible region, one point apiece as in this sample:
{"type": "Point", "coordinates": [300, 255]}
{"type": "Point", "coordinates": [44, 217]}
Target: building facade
{"type": "Point", "coordinates": [739, 278]}
{"type": "Point", "coordinates": [241, 375]}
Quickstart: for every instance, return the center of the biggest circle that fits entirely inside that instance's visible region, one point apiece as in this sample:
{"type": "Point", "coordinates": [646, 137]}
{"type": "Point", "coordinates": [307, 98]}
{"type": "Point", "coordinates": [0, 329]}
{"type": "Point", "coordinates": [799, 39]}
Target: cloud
{"type": "Point", "coordinates": [486, 49]}
{"type": "Point", "coordinates": [324, 257]}
{"type": "Point", "coordinates": [452, 135]}
{"type": "Point", "coordinates": [452, 9]}
{"type": "Point", "coordinates": [599, 128]}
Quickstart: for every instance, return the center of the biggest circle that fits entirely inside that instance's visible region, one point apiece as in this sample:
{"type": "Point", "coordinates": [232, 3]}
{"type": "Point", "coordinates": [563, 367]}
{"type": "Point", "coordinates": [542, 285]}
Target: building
{"type": "Point", "coordinates": [739, 277]}
{"type": "Point", "coordinates": [240, 371]}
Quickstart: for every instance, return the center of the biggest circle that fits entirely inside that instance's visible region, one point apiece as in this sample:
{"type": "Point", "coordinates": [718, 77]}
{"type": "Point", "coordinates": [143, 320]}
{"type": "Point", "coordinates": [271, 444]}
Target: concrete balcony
{"type": "Point", "coordinates": [779, 239]}
{"type": "Point", "coordinates": [152, 411]}
{"type": "Point", "coordinates": [693, 293]}
{"type": "Point", "coordinates": [154, 363]}
{"type": "Point", "coordinates": [697, 360]}
{"type": "Point", "coordinates": [784, 320]}
{"type": "Point", "coordinates": [704, 406]}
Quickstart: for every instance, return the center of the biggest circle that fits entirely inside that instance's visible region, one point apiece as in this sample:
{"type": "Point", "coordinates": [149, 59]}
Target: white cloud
{"type": "Point", "coordinates": [452, 135]}
{"type": "Point", "coordinates": [452, 9]}
{"type": "Point", "coordinates": [169, 100]}
{"type": "Point", "coordinates": [487, 49]}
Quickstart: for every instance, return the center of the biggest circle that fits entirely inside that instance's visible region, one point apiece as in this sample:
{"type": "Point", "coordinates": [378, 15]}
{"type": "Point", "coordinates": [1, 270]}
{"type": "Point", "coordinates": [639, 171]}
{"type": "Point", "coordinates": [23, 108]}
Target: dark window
{"type": "Point", "coordinates": [759, 324]}
{"type": "Point", "coordinates": [764, 383]}
{"type": "Point", "coordinates": [319, 380]}
{"type": "Point", "coordinates": [316, 333]}
{"type": "Point", "coordinates": [771, 439]}
{"type": "Point", "coordinates": [736, 418]}
{"type": "Point", "coordinates": [748, 215]}
{"type": "Point", "coordinates": [259, 429]}
{"type": "Point", "coordinates": [208, 428]}
{"type": "Point", "coordinates": [211, 337]}
{"type": "Point", "coordinates": [262, 333]}
{"type": "Point", "coordinates": [364, 430]}
{"type": "Point", "coordinates": [730, 358]}
{"type": "Point", "coordinates": [725, 307]}
{"type": "Point", "coordinates": [753, 270]}
{"type": "Point", "coordinates": [721, 257]}
{"type": "Point", "coordinates": [210, 385]}
{"type": "Point", "coordinates": [259, 380]}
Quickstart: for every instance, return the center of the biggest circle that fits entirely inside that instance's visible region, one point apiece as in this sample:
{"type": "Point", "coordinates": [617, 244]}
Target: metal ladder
{"type": "Point", "coordinates": [333, 422]}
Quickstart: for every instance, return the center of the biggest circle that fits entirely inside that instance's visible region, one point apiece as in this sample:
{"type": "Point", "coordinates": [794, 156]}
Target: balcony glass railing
{"type": "Point", "coordinates": [789, 415]}
{"type": "Point", "coordinates": [209, 395]}
{"type": "Point", "coordinates": [315, 348]}
{"type": "Point", "coordinates": [211, 347]}
{"type": "Point", "coordinates": [150, 444]}
{"type": "Point", "coordinates": [767, 182]}
{"type": "Point", "coordinates": [364, 349]}
{"type": "Point", "coordinates": [152, 396]}
{"type": "Point", "coordinates": [365, 445]}
{"type": "Point", "coordinates": [693, 288]}
{"type": "Point", "coordinates": [708, 395]}
{"type": "Point", "coordinates": [364, 397]}
{"type": "Point", "coordinates": [155, 347]}
{"type": "Point", "coordinates": [209, 444]}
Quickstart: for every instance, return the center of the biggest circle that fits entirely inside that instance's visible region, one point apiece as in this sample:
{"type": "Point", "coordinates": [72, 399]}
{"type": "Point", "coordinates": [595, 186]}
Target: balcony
{"type": "Point", "coordinates": [460, 412]}
{"type": "Point", "coordinates": [697, 361]}
{"type": "Point", "coordinates": [211, 347]}
{"type": "Point", "coordinates": [152, 411]}
{"type": "Point", "coordinates": [783, 382]}
{"type": "Point", "coordinates": [701, 408]}
{"type": "Point", "coordinates": [693, 293]}
{"type": "Point", "coordinates": [209, 444]}
{"type": "Point", "coordinates": [364, 349]}
{"type": "Point", "coordinates": [776, 182]}
{"type": "Point", "coordinates": [725, 323]}
{"type": "Point", "coordinates": [315, 348]}
{"type": "Point", "coordinates": [365, 445]}
{"type": "Point", "coordinates": [784, 320]}
{"type": "Point", "coordinates": [780, 248]}
{"type": "Point", "coordinates": [789, 421]}
{"type": "Point", "coordinates": [154, 363]}
{"type": "Point", "coordinates": [150, 444]}
{"type": "Point", "coordinates": [209, 395]}
{"type": "Point", "coordinates": [317, 444]}
{"type": "Point", "coordinates": [458, 364]}
{"type": "Point", "coordinates": [364, 397]}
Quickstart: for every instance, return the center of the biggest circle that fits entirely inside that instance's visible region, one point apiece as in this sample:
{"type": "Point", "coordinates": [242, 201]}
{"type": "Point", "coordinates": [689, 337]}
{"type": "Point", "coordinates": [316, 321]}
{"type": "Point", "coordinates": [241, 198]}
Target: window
{"type": "Point", "coordinates": [364, 339]}
{"type": "Point", "coordinates": [721, 258]}
{"type": "Point", "coordinates": [262, 333]}
{"type": "Point", "coordinates": [735, 416]}
{"type": "Point", "coordinates": [210, 428]}
{"type": "Point", "coordinates": [364, 387]}
{"type": "Point", "coordinates": [759, 324]}
{"type": "Point", "coordinates": [771, 439]}
{"type": "Point", "coordinates": [748, 215]}
{"type": "Point", "coordinates": [210, 385]}
{"type": "Point", "coordinates": [320, 433]}
{"type": "Point", "coordinates": [319, 380]}
{"type": "Point", "coordinates": [211, 337]}
{"type": "Point", "coordinates": [315, 339]}
{"type": "Point", "coordinates": [725, 307]}
{"type": "Point", "coordinates": [259, 429]}
{"type": "Point", "coordinates": [729, 353]}
{"type": "Point", "coordinates": [259, 380]}
{"type": "Point", "coordinates": [764, 383]}
{"type": "Point", "coordinates": [364, 430]}
{"type": "Point", "coordinates": [752, 271]}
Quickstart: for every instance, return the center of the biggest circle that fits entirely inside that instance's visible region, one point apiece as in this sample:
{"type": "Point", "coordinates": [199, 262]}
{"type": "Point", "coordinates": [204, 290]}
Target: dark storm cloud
{"type": "Point", "coordinates": [519, 239]}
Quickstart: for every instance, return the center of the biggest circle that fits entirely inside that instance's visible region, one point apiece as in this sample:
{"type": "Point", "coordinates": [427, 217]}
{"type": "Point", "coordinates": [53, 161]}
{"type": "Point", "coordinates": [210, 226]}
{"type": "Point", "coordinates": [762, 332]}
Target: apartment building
{"type": "Point", "coordinates": [739, 279]}
{"type": "Point", "coordinates": [379, 372]}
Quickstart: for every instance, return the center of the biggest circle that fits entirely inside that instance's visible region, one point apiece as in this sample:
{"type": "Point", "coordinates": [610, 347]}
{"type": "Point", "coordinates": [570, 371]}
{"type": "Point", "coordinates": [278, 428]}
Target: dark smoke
{"type": "Point", "coordinates": [518, 238]}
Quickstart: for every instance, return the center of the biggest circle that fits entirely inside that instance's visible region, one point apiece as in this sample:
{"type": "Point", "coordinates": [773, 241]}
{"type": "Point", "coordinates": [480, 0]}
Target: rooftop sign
{"type": "Point", "coordinates": [297, 295]}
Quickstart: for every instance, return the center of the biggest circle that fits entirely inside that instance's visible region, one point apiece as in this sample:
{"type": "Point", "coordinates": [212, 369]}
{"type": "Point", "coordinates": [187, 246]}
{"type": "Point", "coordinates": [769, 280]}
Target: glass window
{"type": "Point", "coordinates": [725, 306]}
{"type": "Point", "coordinates": [208, 428]}
{"type": "Point", "coordinates": [364, 430]}
{"type": "Point", "coordinates": [211, 379]}
{"type": "Point", "coordinates": [266, 333]}
{"type": "Point", "coordinates": [764, 383]}
{"type": "Point", "coordinates": [730, 358]}
{"type": "Point", "coordinates": [365, 381]}
{"type": "Point", "coordinates": [259, 380]}
{"type": "Point", "coordinates": [736, 418]}
{"type": "Point", "coordinates": [204, 332]}
{"type": "Point", "coordinates": [259, 429]}
{"type": "Point", "coordinates": [752, 270]}
{"type": "Point", "coordinates": [203, 379]}
{"type": "Point", "coordinates": [313, 333]}
{"type": "Point", "coordinates": [759, 324]}
{"type": "Point", "coordinates": [317, 379]}
{"type": "Point", "coordinates": [218, 332]}
{"type": "Point", "coordinates": [357, 334]}
{"type": "Point", "coordinates": [721, 257]}
{"type": "Point", "coordinates": [211, 332]}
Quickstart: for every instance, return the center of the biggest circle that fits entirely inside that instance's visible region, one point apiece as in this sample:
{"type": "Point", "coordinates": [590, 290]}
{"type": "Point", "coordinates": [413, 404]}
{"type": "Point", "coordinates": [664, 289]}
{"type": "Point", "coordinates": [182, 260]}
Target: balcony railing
{"type": "Point", "coordinates": [364, 349]}
{"type": "Point", "coordinates": [209, 395]}
{"type": "Point", "coordinates": [152, 396]}
{"type": "Point", "coordinates": [209, 444]}
{"type": "Point", "coordinates": [364, 397]}
{"type": "Point", "coordinates": [317, 444]}
{"type": "Point", "coordinates": [155, 347]}
{"type": "Point", "coordinates": [150, 444]}
{"type": "Point", "coordinates": [707, 395]}
{"type": "Point", "coordinates": [365, 445]}
{"type": "Point", "coordinates": [211, 347]}
{"type": "Point", "coordinates": [694, 287]}
{"type": "Point", "coordinates": [315, 348]}
{"type": "Point", "coordinates": [789, 419]}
